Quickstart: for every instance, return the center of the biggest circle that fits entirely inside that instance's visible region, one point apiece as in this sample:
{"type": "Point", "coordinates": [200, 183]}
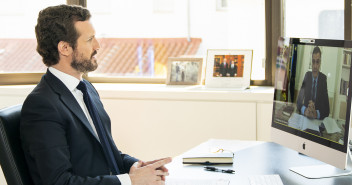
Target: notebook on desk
{"type": "Point", "coordinates": [209, 159]}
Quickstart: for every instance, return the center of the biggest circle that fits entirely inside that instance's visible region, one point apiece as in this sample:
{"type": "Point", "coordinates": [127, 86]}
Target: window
{"type": "Point", "coordinates": [17, 42]}
{"type": "Point", "coordinates": [309, 19]}
{"type": "Point", "coordinates": [322, 19]}
{"type": "Point", "coordinates": [139, 39]}
{"type": "Point", "coordinates": [137, 36]}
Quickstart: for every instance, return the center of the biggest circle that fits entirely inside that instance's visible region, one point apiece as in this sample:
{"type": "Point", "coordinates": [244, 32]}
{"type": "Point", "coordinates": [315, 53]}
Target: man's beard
{"type": "Point", "coordinates": [84, 65]}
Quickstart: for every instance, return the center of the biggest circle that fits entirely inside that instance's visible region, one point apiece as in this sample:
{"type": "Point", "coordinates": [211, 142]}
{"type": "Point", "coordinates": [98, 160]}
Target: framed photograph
{"type": "Point", "coordinates": [184, 71]}
{"type": "Point", "coordinates": [228, 68]}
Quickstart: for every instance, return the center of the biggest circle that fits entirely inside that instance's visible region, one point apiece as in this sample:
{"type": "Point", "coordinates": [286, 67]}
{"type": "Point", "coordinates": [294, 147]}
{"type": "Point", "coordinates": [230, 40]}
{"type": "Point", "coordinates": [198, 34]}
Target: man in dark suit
{"type": "Point", "coordinates": [223, 68]}
{"type": "Point", "coordinates": [177, 71]}
{"type": "Point", "coordinates": [233, 68]}
{"type": "Point", "coordinates": [65, 131]}
{"type": "Point", "coordinates": [313, 99]}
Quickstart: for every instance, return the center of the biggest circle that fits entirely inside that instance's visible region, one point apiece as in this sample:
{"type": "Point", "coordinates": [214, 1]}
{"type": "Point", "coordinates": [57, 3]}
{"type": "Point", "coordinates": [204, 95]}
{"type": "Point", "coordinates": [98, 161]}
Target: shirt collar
{"type": "Point", "coordinates": [69, 81]}
{"type": "Point", "coordinates": [316, 79]}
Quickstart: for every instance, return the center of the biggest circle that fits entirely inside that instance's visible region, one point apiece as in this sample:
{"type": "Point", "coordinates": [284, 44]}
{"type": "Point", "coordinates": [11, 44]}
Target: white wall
{"type": "Point", "coordinates": [170, 127]}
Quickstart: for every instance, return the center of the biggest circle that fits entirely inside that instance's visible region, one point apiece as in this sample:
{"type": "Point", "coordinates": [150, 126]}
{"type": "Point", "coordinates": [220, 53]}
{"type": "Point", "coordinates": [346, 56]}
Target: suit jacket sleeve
{"type": "Point", "coordinates": [49, 151]}
{"type": "Point", "coordinates": [323, 102]}
{"type": "Point", "coordinates": [301, 94]}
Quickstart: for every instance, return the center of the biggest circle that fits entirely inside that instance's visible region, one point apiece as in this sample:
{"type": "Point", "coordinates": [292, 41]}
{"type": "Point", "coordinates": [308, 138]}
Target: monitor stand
{"type": "Point", "coordinates": [324, 171]}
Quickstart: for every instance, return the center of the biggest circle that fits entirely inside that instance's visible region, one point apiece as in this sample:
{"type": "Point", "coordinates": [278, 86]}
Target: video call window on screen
{"type": "Point", "coordinates": [311, 90]}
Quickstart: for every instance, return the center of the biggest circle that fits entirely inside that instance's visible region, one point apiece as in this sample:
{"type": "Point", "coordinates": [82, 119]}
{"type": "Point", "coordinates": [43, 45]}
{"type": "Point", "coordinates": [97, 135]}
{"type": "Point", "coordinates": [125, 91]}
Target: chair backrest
{"type": "Point", "coordinates": [12, 158]}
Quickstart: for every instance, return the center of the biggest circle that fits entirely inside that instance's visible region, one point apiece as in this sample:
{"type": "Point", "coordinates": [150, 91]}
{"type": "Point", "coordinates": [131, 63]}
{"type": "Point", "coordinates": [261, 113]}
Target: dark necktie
{"type": "Point", "coordinates": [105, 143]}
{"type": "Point", "coordinates": [313, 90]}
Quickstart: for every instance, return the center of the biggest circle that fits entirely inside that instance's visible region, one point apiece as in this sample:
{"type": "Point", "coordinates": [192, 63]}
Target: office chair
{"type": "Point", "coordinates": [12, 158]}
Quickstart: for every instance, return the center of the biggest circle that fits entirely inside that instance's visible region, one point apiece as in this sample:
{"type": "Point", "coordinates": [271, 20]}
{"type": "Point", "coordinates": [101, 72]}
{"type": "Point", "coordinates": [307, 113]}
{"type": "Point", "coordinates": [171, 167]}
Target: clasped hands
{"type": "Point", "coordinates": [149, 173]}
{"type": "Point", "coordinates": [310, 111]}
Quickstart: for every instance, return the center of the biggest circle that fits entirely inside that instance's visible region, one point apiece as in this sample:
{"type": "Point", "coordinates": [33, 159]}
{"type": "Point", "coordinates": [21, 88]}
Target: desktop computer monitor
{"type": "Point", "coordinates": [312, 102]}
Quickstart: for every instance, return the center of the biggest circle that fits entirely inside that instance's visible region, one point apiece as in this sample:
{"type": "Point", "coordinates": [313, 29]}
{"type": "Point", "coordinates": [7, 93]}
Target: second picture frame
{"type": "Point", "coordinates": [184, 71]}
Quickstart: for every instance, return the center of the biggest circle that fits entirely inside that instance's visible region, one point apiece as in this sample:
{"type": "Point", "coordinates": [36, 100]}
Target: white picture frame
{"type": "Point", "coordinates": [221, 72]}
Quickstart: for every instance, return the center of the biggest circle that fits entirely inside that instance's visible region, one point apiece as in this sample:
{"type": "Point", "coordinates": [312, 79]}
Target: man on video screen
{"type": "Point", "coordinates": [313, 100]}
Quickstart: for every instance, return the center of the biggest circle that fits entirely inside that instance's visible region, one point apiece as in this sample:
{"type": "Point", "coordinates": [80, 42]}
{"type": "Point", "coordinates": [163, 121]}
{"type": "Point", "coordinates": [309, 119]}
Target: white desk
{"type": "Point", "coordinates": [178, 170]}
{"type": "Point", "coordinates": [252, 158]}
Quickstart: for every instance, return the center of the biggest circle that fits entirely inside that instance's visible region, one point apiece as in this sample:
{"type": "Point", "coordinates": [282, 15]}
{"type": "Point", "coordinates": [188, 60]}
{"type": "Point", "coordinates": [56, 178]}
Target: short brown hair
{"type": "Point", "coordinates": [316, 50]}
{"type": "Point", "coordinates": [55, 24]}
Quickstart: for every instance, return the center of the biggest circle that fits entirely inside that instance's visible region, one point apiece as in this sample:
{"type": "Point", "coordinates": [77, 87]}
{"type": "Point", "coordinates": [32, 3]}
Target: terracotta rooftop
{"type": "Point", "coordinates": [20, 55]}
{"type": "Point", "coordinates": [117, 56]}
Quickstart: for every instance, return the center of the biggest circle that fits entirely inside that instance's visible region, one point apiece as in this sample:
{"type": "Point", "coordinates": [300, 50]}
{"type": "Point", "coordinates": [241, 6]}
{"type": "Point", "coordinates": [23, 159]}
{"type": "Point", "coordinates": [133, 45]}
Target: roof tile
{"type": "Point", "coordinates": [117, 56]}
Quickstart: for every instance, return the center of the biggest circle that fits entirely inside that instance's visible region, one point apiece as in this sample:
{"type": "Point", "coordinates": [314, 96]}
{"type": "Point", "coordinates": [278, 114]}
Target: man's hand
{"type": "Point", "coordinates": [310, 111]}
{"type": "Point", "coordinates": [311, 105]}
{"type": "Point", "coordinates": [150, 174]}
{"type": "Point", "coordinates": [163, 168]}
{"type": "Point", "coordinates": [310, 114]}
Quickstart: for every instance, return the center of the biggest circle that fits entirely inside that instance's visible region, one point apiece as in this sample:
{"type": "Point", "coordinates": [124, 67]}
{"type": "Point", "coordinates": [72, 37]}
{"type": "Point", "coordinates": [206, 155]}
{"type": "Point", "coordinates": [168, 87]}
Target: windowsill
{"type": "Point", "coordinates": [162, 91]}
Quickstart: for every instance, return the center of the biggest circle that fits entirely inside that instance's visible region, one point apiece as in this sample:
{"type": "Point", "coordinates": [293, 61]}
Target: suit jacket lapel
{"type": "Point", "coordinates": [68, 99]}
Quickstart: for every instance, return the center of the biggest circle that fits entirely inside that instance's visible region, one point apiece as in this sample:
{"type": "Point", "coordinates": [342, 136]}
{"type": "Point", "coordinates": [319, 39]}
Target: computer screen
{"type": "Point", "coordinates": [312, 98]}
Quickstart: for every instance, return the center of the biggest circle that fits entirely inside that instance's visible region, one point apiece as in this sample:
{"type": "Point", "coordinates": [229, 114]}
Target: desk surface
{"type": "Point", "coordinates": [253, 158]}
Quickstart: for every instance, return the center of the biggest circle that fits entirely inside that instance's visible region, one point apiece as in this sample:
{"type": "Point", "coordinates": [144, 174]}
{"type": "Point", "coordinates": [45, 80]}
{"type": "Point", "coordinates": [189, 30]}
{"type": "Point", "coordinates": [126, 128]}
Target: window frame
{"type": "Point", "coordinates": [274, 22]}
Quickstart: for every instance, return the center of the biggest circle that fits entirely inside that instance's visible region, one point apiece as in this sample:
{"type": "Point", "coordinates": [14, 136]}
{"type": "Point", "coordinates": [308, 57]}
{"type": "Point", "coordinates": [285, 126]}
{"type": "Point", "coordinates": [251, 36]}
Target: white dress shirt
{"type": "Point", "coordinates": [71, 83]}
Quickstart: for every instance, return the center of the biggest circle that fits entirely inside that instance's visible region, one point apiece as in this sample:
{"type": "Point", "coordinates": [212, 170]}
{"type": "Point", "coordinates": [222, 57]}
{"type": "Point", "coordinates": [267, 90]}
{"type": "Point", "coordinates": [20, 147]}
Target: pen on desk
{"type": "Point", "coordinates": [210, 168]}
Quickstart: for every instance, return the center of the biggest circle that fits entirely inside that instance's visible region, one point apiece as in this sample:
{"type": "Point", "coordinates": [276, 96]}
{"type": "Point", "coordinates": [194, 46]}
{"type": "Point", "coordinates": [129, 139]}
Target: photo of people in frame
{"type": "Point", "coordinates": [184, 71]}
{"type": "Point", "coordinates": [228, 66]}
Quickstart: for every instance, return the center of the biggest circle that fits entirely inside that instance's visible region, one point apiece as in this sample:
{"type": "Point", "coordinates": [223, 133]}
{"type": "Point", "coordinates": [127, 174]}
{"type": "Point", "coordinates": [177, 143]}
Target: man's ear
{"type": "Point", "coordinates": [64, 48]}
